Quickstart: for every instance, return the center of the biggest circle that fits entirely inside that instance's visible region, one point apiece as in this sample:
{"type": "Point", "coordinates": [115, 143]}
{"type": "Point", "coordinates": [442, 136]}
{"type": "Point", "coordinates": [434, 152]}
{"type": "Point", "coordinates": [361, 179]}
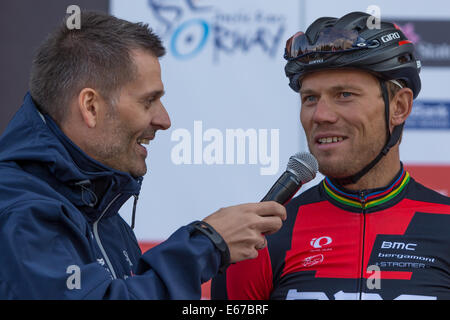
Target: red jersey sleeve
{"type": "Point", "coordinates": [250, 279]}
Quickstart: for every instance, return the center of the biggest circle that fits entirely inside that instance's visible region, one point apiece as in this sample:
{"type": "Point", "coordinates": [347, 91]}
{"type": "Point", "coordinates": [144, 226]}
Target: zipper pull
{"type": "Point", "coordinates": [133, 215]}
{"type": "Point", "coordinates": [362, 199]}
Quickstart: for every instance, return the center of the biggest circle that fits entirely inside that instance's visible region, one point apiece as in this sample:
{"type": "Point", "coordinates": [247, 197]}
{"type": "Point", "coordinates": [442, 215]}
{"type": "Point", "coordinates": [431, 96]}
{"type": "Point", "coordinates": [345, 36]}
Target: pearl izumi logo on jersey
{"type": "Point", "coordinates": [320, 242]}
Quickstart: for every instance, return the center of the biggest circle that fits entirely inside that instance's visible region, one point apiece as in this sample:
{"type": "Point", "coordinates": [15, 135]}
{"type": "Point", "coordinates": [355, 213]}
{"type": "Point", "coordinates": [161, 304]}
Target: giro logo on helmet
{"type": "Point", "coordinates": [390, 37]}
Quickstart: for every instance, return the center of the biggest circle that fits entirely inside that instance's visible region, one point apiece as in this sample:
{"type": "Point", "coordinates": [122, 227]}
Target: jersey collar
{"type": "Point", "coordinates": [367, 200]}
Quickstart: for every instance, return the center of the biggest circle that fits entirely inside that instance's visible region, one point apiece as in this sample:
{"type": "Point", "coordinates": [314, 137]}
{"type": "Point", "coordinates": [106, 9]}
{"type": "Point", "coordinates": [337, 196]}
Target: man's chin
{"type": "Point", "coordinates": [335, 169]}
{"type": "Point", "coordinates": [138, 174]}
{"type": "Point", "coordinates": [138, 171]}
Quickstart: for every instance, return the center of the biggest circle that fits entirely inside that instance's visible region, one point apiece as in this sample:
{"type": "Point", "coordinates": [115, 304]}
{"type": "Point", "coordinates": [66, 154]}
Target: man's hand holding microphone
{"type": "Point", "coordinates": [243, 227]}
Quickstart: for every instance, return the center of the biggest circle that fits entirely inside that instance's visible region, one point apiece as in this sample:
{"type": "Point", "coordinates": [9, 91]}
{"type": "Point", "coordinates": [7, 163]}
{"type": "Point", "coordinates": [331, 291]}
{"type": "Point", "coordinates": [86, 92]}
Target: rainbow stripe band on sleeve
{"type": "Point", "coordinates": [371, 199]}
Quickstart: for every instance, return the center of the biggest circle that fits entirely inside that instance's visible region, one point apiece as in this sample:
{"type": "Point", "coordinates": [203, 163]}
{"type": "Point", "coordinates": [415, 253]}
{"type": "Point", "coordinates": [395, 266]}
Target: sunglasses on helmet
{"type": "Point", "coordinates": [329, 42]}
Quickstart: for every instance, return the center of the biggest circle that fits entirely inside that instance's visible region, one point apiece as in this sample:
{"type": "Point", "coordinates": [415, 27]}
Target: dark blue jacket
{"type": "Point", "coordinates": [61, 236]}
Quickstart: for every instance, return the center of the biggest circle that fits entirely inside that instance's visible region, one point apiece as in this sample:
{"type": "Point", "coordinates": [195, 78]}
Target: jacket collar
{"type": "Point", "coordinates": [367, 200]}
{"type": "Point", "coordinates": [105, 188]}
{"type": "Point", "coordinates": [42, 149]}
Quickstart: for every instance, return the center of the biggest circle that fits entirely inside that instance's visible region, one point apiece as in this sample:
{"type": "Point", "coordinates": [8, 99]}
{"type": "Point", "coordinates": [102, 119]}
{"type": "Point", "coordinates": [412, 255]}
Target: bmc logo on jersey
{"type": "Point", "coordinates": [398, 245]}
{"type": "Point", "coordinates": [320, 242]}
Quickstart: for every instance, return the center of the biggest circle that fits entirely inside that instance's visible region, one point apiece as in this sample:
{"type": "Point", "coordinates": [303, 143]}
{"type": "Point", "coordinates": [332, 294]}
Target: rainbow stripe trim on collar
{"type": "Point", "coordinates": [369, 200]}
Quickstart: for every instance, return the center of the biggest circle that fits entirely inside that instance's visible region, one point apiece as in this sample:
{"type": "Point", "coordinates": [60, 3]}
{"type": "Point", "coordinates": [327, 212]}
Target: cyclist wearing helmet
{"type": "Point", "coordinates": [368, 230]}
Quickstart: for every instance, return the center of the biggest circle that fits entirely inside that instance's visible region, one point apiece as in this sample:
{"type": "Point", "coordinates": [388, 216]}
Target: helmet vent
{"type": "Point", "coordinates": [405, 58]}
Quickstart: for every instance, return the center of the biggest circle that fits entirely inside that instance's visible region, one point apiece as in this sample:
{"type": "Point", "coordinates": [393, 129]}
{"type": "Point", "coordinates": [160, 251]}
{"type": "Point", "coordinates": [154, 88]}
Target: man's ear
{"type": "Point", "coordinates": [401, 106]}
{"type": "Point", "coordinates": [89, 106]}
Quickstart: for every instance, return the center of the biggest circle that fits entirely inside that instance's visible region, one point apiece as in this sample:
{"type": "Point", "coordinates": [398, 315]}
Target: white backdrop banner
{"type": "Point", "coordinates": [235, 121]}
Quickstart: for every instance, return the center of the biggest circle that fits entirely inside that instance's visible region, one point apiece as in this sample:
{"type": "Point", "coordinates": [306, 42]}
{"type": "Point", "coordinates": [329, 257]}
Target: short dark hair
{"type": "Point", "coordinates": [97, 55]}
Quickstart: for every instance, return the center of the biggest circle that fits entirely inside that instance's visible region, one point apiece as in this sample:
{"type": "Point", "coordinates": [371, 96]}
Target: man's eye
{"type": "Point", "coordinates": [149, 103]}
{"type": "Point", "coordinates": [346, 94]}
{"type": "Point", "coordinates": [309, 99]}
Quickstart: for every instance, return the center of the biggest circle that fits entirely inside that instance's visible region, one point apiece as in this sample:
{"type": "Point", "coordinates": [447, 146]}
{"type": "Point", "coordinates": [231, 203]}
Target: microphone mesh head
{"type": "Point", "coordinates": [304, 166]}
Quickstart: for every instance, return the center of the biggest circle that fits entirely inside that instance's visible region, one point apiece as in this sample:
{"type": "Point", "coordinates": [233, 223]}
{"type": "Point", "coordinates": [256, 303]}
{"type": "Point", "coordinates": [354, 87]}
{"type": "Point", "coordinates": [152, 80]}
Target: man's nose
{"type": "Point", "coordinates": [161, 118]}
{"type": "Point", "coordinates": [325, 111]}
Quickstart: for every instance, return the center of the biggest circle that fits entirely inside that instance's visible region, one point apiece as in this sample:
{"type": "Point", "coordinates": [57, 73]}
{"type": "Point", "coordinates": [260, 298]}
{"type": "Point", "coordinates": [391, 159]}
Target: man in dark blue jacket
{"type": "Point", "coordinates": [73, 154]}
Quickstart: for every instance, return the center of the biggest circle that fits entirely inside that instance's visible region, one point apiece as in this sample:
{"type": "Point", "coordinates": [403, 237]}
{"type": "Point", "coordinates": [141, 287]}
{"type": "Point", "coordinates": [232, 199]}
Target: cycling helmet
{"type": "Point", "coordinates": [352, 42]}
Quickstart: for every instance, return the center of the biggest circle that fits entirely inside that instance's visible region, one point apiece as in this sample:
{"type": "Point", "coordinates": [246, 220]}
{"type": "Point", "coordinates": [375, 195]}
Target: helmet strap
{"type": "Point", "coordinates": [392, 140]}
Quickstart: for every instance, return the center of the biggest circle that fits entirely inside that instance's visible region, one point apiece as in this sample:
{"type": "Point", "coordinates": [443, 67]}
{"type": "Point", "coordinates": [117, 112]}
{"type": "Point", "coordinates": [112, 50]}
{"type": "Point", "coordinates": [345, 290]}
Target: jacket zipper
{"type": "Point", "coordinates": [133, 215]}
{"type": "Point", "coordinates": [363, 203]}
{"type": "Point", "coordinates": [97, 237]}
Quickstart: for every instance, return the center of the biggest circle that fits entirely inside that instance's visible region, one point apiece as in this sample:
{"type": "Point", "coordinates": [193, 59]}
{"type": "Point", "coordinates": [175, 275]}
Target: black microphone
{"type": "Point", "coordinates": [302, 168]}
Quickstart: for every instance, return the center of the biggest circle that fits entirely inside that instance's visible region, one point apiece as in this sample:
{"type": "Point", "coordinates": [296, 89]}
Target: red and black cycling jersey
{"type": "Point", "coordinates": [386, 243]}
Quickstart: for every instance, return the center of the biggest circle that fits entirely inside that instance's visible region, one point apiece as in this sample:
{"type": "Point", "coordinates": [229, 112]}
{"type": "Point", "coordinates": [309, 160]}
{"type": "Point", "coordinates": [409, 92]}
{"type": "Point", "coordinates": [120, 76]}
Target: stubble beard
{"type": "Point", "coordinates": [350, 163]}
{"type": "Point", "coordinates": [112, 147]}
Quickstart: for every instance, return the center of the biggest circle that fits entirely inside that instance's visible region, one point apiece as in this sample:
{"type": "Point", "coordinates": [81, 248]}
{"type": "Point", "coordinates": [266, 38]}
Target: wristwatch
{"type": "Point", "coordinates": [216, 238]}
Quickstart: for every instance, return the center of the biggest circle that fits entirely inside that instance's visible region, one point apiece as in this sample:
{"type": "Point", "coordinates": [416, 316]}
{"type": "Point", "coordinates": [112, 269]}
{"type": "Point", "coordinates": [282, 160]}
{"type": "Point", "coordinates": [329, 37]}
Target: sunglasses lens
{"type": "Point", "coordinates": [329, 41]}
